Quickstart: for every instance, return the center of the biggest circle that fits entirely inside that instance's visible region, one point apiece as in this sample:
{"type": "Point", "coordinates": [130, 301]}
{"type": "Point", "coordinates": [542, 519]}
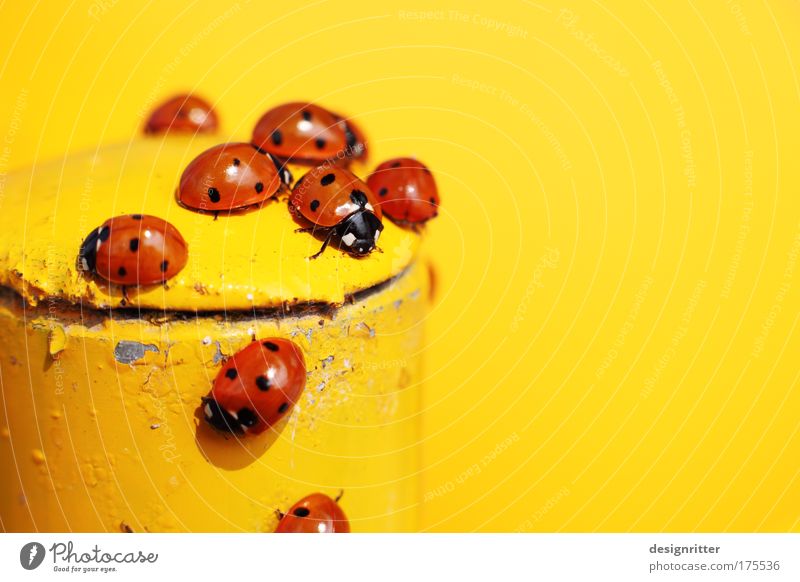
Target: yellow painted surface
{"type": "Point", "coordinates": [92, 440]}
{"type": "Point", "coordinates": [240, 261]}
{"type": "Point", "coordinates": [613, 345]}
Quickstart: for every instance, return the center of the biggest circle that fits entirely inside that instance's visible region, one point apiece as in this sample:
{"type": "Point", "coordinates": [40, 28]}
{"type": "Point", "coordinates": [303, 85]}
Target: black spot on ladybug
{"type": "Point", "coordinates": [277, 137]}
{"type": "Point", "coordinates": [314, 205]}
{"type": "Point", "coordinates": [426, 170]}
{"type": "Point", "coordinates": [396, 165]}
{"type": "Point", "coordinates": [301, 512]}
{"type": "Point", "coordinates": [136, 216]}
{"type": "Point", "coordinates": [358, 197]}
{"type": "Point", "coordinates": [236, 161]}
{"type": "Point", "coordinates": [327, 179]}
{"type": "Point", "coordinates": [307, 115]}
{"type": "Point", "coordinates": [433, 200]}
{"type": "Point", "coordinates": [283, 407]}
{"type": "Point", "coordinates": [259, 187]}
{"type": "Point", "coordinates": [383, 191]}
{"type": "Point", "coordinates": [122, 272]}
{"type": "Point", "coordinates": [231, 374]}
{"type": "Point", "coordinates": [163, 266]}
{"type": "Point", "coordinates": [246, 417]}
{"type": "Point", "coordinates": [213, 194]}
{"type": "Point", "coordinates": [262, 382]}
{"type": "Point", "coordinates": [271, 346]}
{"type": "Point", "coordinates": [320, 143]}
{"type": "Point", "coordinates": [134, 245]}
{"type": "Point", "coordinates": [105, 232]}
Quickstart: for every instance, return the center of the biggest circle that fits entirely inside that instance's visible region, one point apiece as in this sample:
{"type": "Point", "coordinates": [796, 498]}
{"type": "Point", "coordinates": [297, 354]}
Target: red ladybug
{"type": "Point", "coordinates": [229, 177]}
{"type": "Point", "coordinates": [256, 387]}
{"type": "Point", "coordinates": [316, 513]}
{"type": "Point", "coordinates": [134, 249]}
{"type": "Point", "coordinates": [406, 190]}
{"type": "Point", "coordinates": [307, 133]}
{"type": "Point", "coordinates": [183, 114]}
{"type": "Point", "coordinates": [340, 206]}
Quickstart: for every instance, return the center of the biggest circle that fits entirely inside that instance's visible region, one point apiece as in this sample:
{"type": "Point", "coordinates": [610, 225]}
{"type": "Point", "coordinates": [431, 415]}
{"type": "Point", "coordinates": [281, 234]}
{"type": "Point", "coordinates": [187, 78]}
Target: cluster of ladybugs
{"type": "Point", "coordinates": [329, 200]}
{"type": "Point", "coordinates": [259, 384]}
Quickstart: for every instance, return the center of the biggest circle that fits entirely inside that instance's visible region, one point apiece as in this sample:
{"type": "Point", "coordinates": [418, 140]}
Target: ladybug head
{"type": "Point", "coordinates": [359, 232]}
{"type": "Point", "coordinates": [87, 257]}
{"type": "Point", "coordinates": [220, 418]}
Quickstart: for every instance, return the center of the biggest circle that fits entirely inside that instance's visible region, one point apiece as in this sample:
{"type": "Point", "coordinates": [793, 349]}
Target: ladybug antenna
{"type": "Point", "coordinates": [338, 497]}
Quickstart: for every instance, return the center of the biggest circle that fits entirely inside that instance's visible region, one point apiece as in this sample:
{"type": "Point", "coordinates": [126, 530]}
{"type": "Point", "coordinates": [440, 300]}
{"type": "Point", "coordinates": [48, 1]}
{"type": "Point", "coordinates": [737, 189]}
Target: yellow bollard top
{"type": "Point", "coordinates": [250, 260]}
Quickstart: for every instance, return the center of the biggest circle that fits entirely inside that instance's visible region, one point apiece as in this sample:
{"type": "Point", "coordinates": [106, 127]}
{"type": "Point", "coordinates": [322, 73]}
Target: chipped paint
{"type": "Point", "coordinates": [128, 352]}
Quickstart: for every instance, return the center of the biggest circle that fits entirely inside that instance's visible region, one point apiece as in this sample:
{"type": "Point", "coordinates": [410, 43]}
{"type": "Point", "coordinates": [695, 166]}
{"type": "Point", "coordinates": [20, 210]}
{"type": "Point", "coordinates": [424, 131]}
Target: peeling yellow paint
{"type": "Point", "coordinates": [108, 400]}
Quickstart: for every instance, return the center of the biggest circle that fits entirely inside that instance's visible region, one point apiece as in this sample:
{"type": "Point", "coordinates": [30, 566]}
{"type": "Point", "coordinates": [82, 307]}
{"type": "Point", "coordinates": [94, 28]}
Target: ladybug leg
{"type": "Point", "coordinates": [338, 497]}
{"type": "Point", "coordinates": [279, 514]}
{"type": "Point", "coordinates": [125, 297]}
{"type": "Point", "coordinates": [216, 215]}
{"type": "Point", "coordinates": [324, 244]}
{"type": "Point", "coordinates": [310, 229]}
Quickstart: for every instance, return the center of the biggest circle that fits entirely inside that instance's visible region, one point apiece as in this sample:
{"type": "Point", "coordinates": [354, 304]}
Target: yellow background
{"type": "Point", "coordinates": [614, 342]}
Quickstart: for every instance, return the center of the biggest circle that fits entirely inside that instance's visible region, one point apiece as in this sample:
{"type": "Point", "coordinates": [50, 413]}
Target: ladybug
{"type": "Point", "coordinates": [134, 249]}
{"type": "Point", "coordinates": [406, 190]}
{"type": "Point", "coordinates": [182, 114]}
{"type": "Point", "coordinates": [340, 206]}
{"type": "Point", "coordinates": [316, 513]}
{"type": "Point", "coordinates": [308, 134]}
{"type": "Point", "coordinates": [256, 387]}
{"type": "Point", "coordinates": [229, 177]}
